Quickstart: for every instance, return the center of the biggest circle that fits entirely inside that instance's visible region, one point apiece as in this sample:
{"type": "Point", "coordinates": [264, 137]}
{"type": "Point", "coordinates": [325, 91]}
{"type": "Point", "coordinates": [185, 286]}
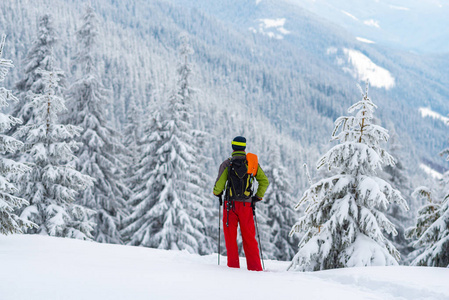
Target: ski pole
{"type": "Point", "coordinates": [258, 235]}
{"type": "Point", "coordinates": [219, 227]}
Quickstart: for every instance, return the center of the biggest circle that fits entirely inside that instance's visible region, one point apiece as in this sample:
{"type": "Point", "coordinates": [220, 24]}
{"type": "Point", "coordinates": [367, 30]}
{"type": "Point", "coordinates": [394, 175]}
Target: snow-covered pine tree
{"type": "Point", "coordinates": [396, 171]}
{"type": "Point", "coordinates": [132, 136]}
{"type": "Point", "coordinates": [396, 176]}
{"type": "Point", "coordinates": [9, 221]}
{"type": "Point", "coordinates": [169, 207]}
{"type": "Point", "coordinates": [138, 225]}
{"type": "Point", "coordinates": [427, 215]}
{"type": "Point", "coordinates": [53, 183]}
{"type": "Point", "coordinates": [100, 144]}
{"type": "Point", "coordinates": [280, 205]}
{"type": "Point", "coordinates": [343, 220]}
{"type": "Point", "coordinates": [432, 227]}
{"type": "Point", "coordinates": [38, 58]}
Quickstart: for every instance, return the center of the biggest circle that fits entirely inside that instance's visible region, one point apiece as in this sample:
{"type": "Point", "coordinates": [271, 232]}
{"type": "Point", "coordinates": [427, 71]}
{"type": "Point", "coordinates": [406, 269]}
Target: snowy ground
{"type": "Point", "coordinates": [39, 267]}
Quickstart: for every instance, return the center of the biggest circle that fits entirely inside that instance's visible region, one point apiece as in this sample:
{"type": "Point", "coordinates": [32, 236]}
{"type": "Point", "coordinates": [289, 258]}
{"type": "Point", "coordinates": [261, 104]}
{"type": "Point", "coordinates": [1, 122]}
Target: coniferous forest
{"type": "Point", "coordinates": [115, 116]}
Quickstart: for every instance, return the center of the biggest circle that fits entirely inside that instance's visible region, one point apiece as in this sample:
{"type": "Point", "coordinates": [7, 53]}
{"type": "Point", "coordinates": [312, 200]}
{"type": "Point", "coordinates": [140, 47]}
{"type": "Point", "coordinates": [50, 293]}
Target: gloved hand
{"type": "Point", "coordinates": [254, 200]}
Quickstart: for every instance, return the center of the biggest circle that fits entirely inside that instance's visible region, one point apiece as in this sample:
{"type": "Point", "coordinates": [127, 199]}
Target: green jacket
{"type": "Point", "coordinates": [222, 177]}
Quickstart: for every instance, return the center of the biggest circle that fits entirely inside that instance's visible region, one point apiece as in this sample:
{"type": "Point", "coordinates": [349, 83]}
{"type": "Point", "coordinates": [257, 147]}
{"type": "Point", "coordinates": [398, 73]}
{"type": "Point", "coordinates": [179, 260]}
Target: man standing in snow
{"type": "Point", "coordinates": [236, 176]}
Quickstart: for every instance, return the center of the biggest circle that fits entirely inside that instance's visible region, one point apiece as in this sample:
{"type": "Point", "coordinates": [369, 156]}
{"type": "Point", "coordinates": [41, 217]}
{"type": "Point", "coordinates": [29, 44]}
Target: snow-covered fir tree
{"type": "Point", "coordinates": [52, 184]}
{"type": "Point", "coordinates": [397, 171]}
{"type": "Point", "coordinates": [280, 205]}
{"type": "Point", "coordinates": [396, 176]}
{"type": "Point", "coordinates": [344, 222]}
{"type": "Point", "coordinates": [100, 144]}
{"type": "Point", "coordinates": [138, 225]}
{"type": "Point", "coordinates": [427, 215]}
{"type": "Point", "coordinates": [132, 136]}
{"type": "Point", "coordinates": [431, 230]}
{"type": "Point", "coordinates": [38, 58]}
{"type": "Point", "coordinates": [9, 221]}
{"type": "Point", "coordinates": [169, 205]}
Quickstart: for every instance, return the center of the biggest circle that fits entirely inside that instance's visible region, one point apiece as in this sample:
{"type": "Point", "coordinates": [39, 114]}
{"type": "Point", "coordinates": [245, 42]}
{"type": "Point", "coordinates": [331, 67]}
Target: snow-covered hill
{"type": "Point", "coordinates": [40, 267]}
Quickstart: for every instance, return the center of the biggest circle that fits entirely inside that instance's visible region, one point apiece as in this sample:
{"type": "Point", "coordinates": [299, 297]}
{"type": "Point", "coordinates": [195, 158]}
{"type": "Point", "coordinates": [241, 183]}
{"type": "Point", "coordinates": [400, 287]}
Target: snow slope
{"type": "Point", "coordinates": [41, 267]}
{"type": "Point", "coordinates": [428, 112]}
{"type": "Point", "coordinates": [362, 68]}
{"type": "Point", "coordinates": [430, 171]}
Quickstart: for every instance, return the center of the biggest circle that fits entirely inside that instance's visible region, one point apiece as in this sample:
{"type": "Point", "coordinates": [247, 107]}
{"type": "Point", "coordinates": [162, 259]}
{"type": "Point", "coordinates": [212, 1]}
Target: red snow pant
{"type": "Point", "coordinates": [241, 213]}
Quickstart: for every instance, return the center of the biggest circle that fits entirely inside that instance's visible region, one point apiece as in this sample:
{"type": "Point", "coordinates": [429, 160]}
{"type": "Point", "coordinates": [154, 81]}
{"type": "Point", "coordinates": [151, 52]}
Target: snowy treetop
{"type": "Point", "coordinates": [360, 139]}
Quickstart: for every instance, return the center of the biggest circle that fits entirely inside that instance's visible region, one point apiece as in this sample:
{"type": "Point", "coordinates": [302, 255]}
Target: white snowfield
{"type": "Point", "coordinates": [274, 28]}
{"type": "Point", "coordinates": [361, 67]}
{"type": "Point", "coordinates": [41, 267]}
{"type": "Point", "coordinates": [364, 69]}
{"type": "Point", "coordinates": [430, 171]}
{"type": "Point", "coordinates": [428, 112]}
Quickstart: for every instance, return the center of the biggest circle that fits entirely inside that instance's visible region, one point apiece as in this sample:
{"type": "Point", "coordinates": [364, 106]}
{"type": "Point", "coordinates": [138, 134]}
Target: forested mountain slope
{"type": "Point", "coordinates": [268, 70]}
{"type": "Point", "coordinates": [331, 58]}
